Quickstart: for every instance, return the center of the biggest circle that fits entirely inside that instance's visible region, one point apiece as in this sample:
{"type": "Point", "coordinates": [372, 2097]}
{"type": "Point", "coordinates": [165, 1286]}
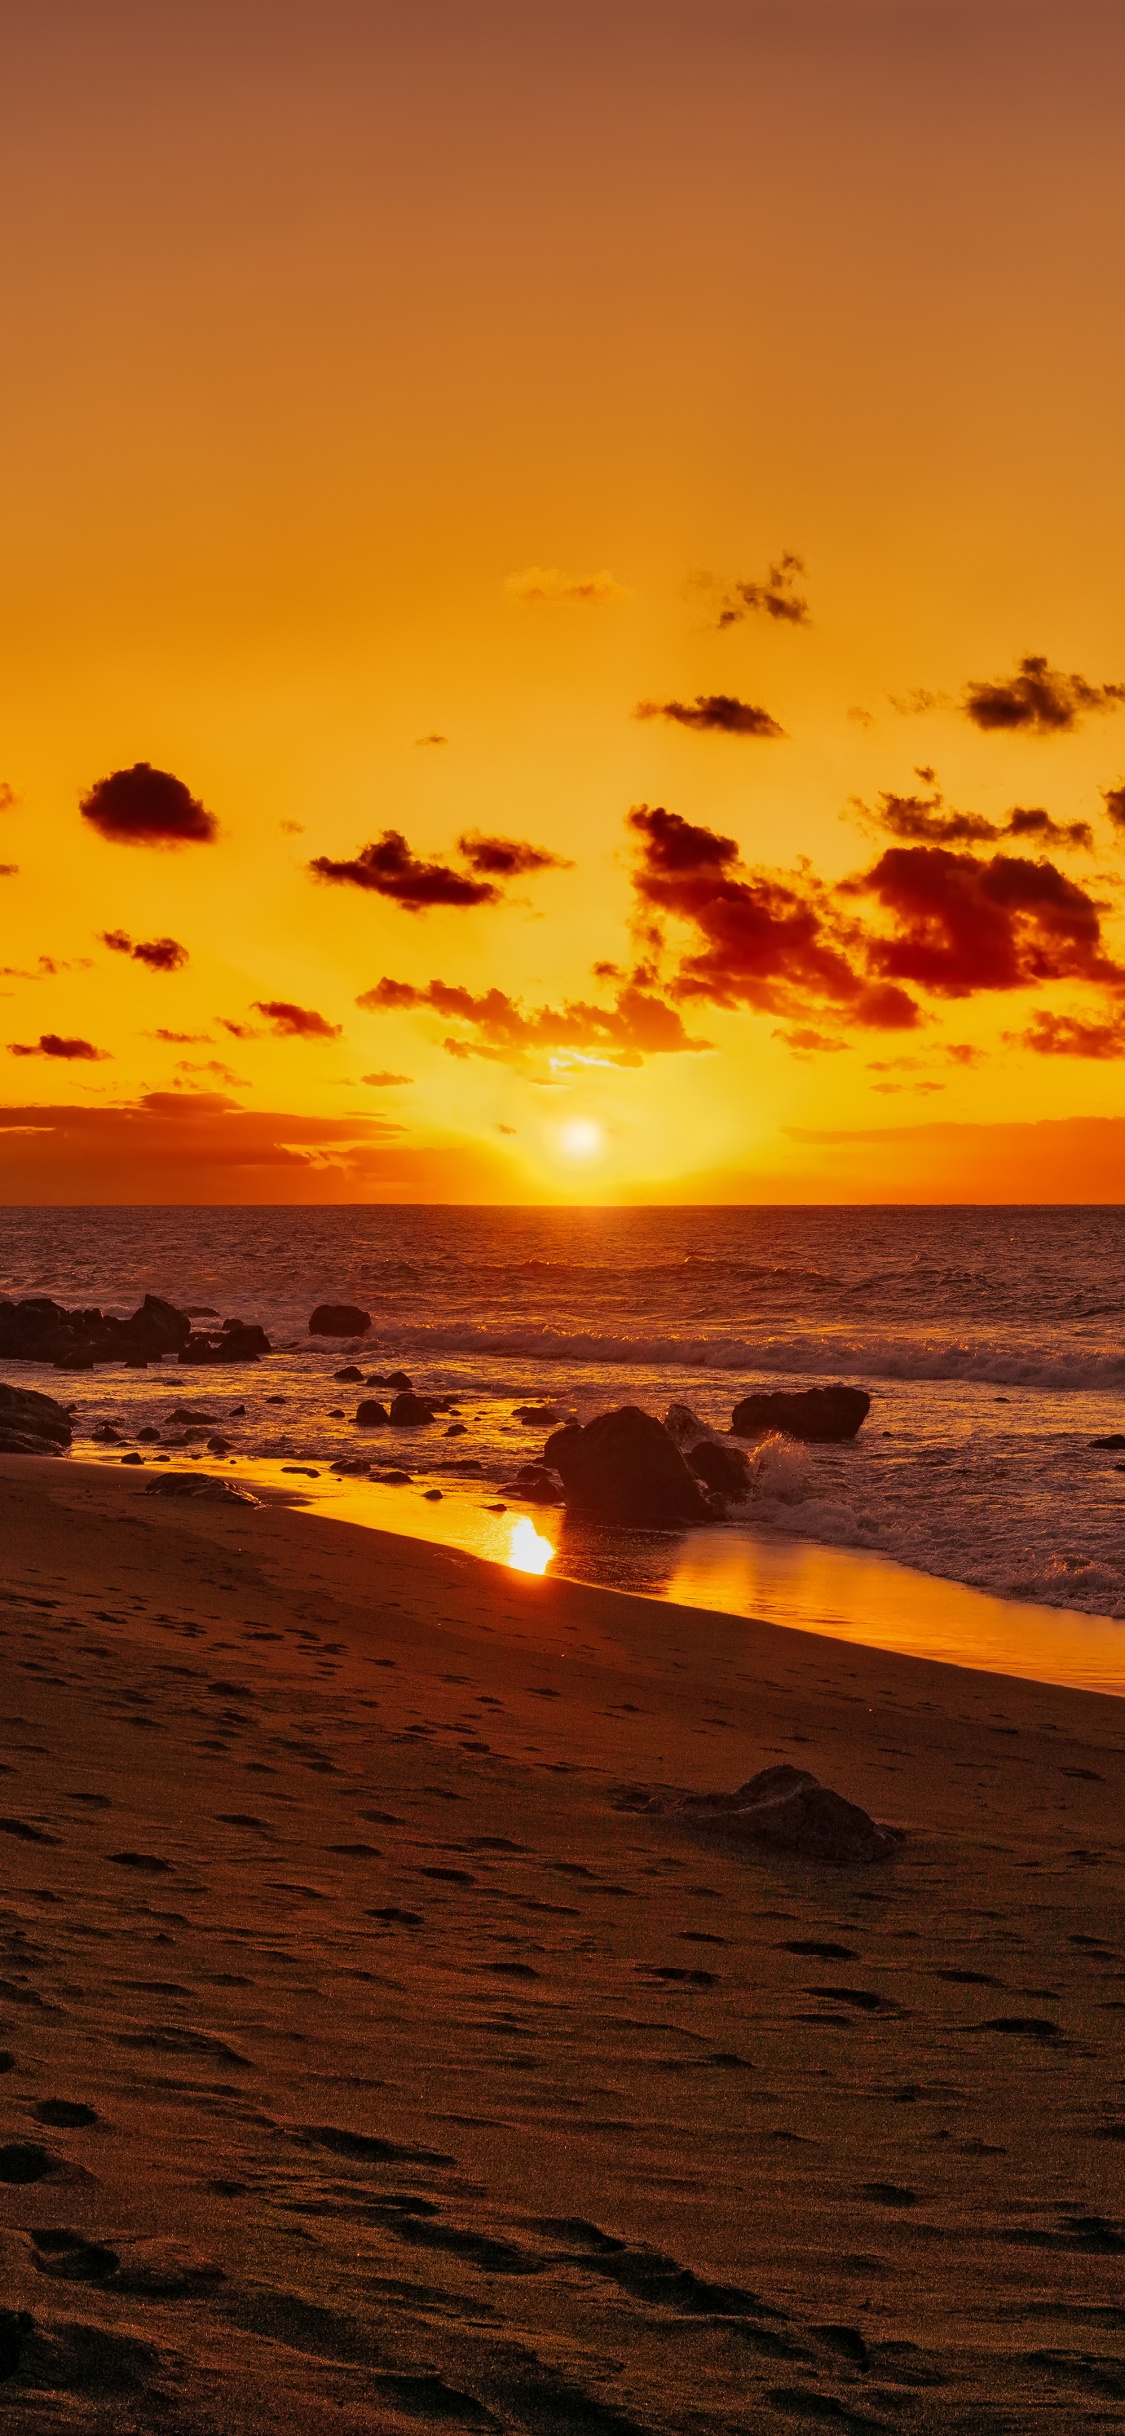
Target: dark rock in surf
{"type": "Point", "coordinates": [819, 1415]}
{"type": "Point", "coordinates": [31, 1415]}
{"type": "Point", "coordinates": [537, 1416]}
{"type": "Point", "coordinates": [411, 1412]}
{"type": "Point", "coordinates": [372, 1415]}
{"type": "Point", "coordinates": [539, 1483]}
{"type": "Point", "coordinates": [722, 1468]}
{"type": "Point", "coordinates": [339, 1319]}
{"type": "Point", "coordinates": [351, 1376]}
{"type": "Point", "coordinates": [239, 1341]}
{"type": "Point", "coordinates": [40, 1330]}
{"type": "Point", "coordinates": [623, 1468]}
{"type": "Point", "coordinates": [1113, 1444]}
{"type": "Point", "coordinates": [788, 1808]}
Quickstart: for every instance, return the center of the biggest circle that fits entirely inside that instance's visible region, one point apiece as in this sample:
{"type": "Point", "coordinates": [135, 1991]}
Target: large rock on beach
{"type": "Point", "coordinates": [206, 1485]}
{"type": "Point", "coordinates": [339, 1319]}
{"type": "Point", "coordinates": [624, 1468]}
{"type": "Point", "coordinates": [25, 1414]}
{"type": "Point", "coordinates": [789, 1808]}
{"type": "Point", "coordinates": [817, 1414]}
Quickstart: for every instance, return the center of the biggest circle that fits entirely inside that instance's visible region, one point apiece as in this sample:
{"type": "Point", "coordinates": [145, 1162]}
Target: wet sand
{"type": "Point", "coordinates": [423, 2085]}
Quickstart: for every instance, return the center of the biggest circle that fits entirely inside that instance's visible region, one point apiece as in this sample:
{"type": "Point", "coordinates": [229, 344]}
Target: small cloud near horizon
{"type": "Point", "coordinates": [1038, 700]}
{"type": "Point", "coordinates": [9, 871]}
{"type": "Point", "coordinates": [52, 1044]}
{"type": "Point", "coordinates": [536, 585]}
{"type": "Point", "coordinates": [721, 714]}
{"type": "Point", "coordinates": [181, 1040]}
{"type": "Point", "coordinates": [289, 1022]}
{"type": "Point", "coordinates": [142, 806]}
{"type": "Point", "coordinates": [292, 828]}
{"type": "Point", "coordinates": [380, 1082]}
{"type": "Point", "coordinates": [434, 739]}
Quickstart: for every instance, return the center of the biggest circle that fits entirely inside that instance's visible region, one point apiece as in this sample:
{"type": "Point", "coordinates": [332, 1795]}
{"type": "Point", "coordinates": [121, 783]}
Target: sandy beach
{"type": "Point", "coordinates": [369, 2063]}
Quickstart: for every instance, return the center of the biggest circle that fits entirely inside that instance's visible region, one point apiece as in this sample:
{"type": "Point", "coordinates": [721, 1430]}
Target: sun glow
{"type": "Point", "coordinates": [528, 1551]}
{"type": "Point", "coordinates": [581, 1139]}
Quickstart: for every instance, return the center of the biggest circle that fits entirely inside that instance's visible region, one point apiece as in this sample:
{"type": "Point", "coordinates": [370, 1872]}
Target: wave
{"type": "Point", "coordinates": [877, 1357]}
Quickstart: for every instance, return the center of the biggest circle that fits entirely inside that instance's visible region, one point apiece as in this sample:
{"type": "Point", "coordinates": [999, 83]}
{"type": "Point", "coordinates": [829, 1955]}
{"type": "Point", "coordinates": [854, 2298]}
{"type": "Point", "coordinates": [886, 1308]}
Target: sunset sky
{"type": "Point", "coordinates": [606, 521]}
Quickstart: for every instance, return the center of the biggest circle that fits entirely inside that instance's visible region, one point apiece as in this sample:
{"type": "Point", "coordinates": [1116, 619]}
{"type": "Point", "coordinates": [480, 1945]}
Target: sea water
{"type": "Point", "coordinates": [991, 1342]}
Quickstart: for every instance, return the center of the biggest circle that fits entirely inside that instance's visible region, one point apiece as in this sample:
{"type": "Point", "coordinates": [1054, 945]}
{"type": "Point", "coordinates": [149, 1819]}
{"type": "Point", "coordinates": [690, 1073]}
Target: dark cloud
{"type": "Point", "coordinates": [380, 1081]}
{"type": "Point", "coordinates": [288, 1022]}
{"type": "Point", "coordinates": [9, 871]}
{"type": "Point", "coordinates": [46, 968]}
{"type": "Point", "coordinates": [776, 597]}
{"type": "Point", "coordinates": [722, 714]}
{"type": "Point", "coordinates": [637, 1026]}
{"type": "Point", "coordinates": [505, 858]}
{"type": "Point", "coordinates": [1039, 700]}
{"type": "Point", "coordinates": [925, 820]}
{"type": "Point", "coordinates": [1074, 1036]}
{"type": "Point", "coordinates": [239, 1031]}
{"type": "Point", "coordinates": [1114, 801]}
{"type": "Point", "coordinates": [771, 940]}
{"type": "Point", "coordinates": [389, 868]}
{"type": "Point", "coordinates": [160, 955]}
{"type": "Point", "coordinates": [965, 924]}
{"type": "Point", "coordinates": [8, 797]}
{"type": "Point", "coordinates": [51, 1044]}
{"type": "Point", "coordinates": [147, 807]}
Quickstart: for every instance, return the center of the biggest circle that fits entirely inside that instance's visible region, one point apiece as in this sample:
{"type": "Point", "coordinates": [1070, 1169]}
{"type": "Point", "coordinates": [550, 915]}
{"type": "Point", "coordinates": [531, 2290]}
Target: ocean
{"type": "Point", "coordinates": [991, 1340]}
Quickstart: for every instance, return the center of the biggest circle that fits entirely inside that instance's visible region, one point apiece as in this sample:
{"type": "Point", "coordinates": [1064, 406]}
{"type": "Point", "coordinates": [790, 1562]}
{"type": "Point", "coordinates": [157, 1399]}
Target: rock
{"type": "Point", "coordinates": [1115, 1442]}
{"type": "Point", "coordinates": [683, 1428]}
{"type": "Point", "coordinates": [397, 1378]}
{"type": "Point", "coordinates": [722, 1468]}
{"type": "Point", "coordinates": [351, 1377]}
{"type": "Point", "coordinates": [411, 1412]}
{"type": "Point", "coordinates": [395, 1480]}
{"type": "Point", "coordinates": [32, 1415]}
{"type": "Point", "coordinates": [817, 1414]}
{"type": "Point", "coordinates": [336, 1412]}
{"type": "Point", "coordinates": [456, 1430]}
{"type": "Point", "coordinates": [239, 1341]}
{"type": "Point", "coordinates": [21, 1442]}
{"type": "Point", "coordinates": [339, 1319]}
{"type": "Point", "coordinates": [39, 1330]}
{"type": "Point", "coordinates": [537, 1416]}
{"type": "Point", "coordinates": [787, 1807]}
{"type": "Point", "coordinates": [539, 1483]}
{"type": "Point", "coordinates": [201, 1484]}
{"type": "Point", "coordinates": [372, 1415]}
{"type": "Point", "coordinates": [218, 1446]}
{"type": "Point", "coordinates": [149, 1437]}
{"type": "Point", "coordinates": [623, 1468]}
{"type": "Point", "coordinates": [188, 1418]}
{"type": "Point", "coordinates": [133, 1458]}
{"type": "Point", "coordinates": [432, 1496]}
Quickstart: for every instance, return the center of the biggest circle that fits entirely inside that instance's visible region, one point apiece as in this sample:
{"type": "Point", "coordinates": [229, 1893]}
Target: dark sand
{"type": "Point", "coordinates": [430, 2090]}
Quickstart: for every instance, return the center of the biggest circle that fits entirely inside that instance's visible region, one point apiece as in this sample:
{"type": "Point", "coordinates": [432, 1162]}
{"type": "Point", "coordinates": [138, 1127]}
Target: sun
{"type": "Point", "coordinates": [581, 1139]}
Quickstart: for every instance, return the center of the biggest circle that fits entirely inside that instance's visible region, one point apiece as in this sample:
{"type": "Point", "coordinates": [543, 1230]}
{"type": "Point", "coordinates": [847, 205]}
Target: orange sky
{"type": "Point", "coordinates": [378, 375]}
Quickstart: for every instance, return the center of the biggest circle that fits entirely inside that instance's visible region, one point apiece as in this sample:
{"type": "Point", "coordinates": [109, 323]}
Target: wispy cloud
{"type": "Point", "coordinates": [491, 1024]}
{"type": "Point", "coordinates": [160, 955]}
{"type": "Point", "coordinates": [289, 1022]}
{"type": "Point", "coordinates": [720, 714]}
{"type": "Point", "coordinates": [774, 596]}
{"type": "Point", "coordinates": [538, 585]}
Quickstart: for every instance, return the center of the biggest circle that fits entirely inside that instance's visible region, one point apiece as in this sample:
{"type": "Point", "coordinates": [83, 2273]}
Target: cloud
{"type": "Point", "coordinates": [505, 1129]}
{"type": "Point", "coordinates": [924, 820]}
{"type": "Point", "coordinates": [918, 703]}
{"type": "Point", "coordinates": [147, 807]}
{"type": "Point", "coordinates": [537, 585]}
{"type": "Point", "coordinates": [46, 968]}
{"type": "Point", "coordinates": [239, 1031]}
{"type": "Point", "coordinates": [776, 597]}
{"type": "Point", "coordinates": [1039, 700]}
{"type": "Point", "coordinates": [966, 924]}
{"type": "Point", "coordinates": [805, 1041]}
{"type": "Point", "coordinates": [492, 1025]}
{"type": "Point", "coordinates": [51, 1044]}
{"type": "Point", "coordinates": [1114, 801]}
{"type": "Point", "coordinates": [292, 828]}
{"type": "Point", "coordinates": [776, 941]}
{"type": "Point", "coordinates": [433, 739]}
{"type": "Point", "coordinates": [8, 797]}
{"type": "Point", "coordinates": [379, 1082]}
{"type": "Point", "coordinates": [9, 871]}
{"type": "Point", "coordinates": [160, 955]}
{"type": "Point", "coordinates": [505, 858]}
{"type": "Point", "coordinates": [181, 1040]}
{"type": "Point", "coordinates": [1073, 1036]}
{"type": "Point", "coordinates": [717, 713]}
{"type": "Point", "coordinates": [288, 1022]}
{"type": "Point", "coordinates": [389, 868]}
{"type": "Point", "coordinates": [209, 1065]}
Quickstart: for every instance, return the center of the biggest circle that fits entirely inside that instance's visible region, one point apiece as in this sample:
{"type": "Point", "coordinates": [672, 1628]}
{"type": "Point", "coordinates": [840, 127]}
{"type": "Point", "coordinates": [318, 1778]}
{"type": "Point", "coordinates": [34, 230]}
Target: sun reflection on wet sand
{"type": "Point", "coordinates": [528, 1551]}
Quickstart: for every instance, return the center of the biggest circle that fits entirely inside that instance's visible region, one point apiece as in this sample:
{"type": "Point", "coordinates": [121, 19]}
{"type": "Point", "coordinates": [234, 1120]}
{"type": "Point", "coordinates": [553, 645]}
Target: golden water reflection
{"type": "Point", "coordinates": [528, 1551]}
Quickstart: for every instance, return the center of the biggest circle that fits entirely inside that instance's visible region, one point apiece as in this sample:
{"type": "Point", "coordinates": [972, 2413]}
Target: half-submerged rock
{"type": "Point", "coordinates": [788, 1808]}
{"type": "Point", "coordinates": [624, 1468]}
{"type": "Point", "coordinates": [817, 1414]}
{"type": "Point", "coordinates": [339, 1319]}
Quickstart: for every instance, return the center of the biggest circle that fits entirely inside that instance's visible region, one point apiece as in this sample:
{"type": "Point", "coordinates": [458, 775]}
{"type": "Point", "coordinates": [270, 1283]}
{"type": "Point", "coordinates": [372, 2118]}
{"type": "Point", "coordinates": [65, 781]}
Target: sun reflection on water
{"type": "Point", "coordinates": [528, 1551]}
